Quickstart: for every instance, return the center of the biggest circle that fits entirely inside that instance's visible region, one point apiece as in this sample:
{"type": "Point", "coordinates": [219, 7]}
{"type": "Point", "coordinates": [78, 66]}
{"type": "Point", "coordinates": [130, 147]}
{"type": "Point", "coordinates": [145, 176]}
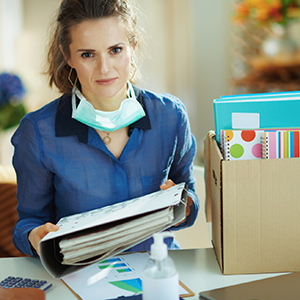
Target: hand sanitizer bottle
{"type": "Point", "coordinates": [160, 278]}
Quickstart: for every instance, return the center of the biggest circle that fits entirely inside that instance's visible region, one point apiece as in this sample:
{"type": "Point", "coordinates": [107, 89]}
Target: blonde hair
{"type": "Point", "coordinates": [73, 12]}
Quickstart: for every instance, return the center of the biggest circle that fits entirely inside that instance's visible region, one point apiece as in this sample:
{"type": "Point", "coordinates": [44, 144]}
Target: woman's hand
{"type": "Point", "coordinates": [36, 234]}
{"type": "Point", "coordinates": [169, 183]}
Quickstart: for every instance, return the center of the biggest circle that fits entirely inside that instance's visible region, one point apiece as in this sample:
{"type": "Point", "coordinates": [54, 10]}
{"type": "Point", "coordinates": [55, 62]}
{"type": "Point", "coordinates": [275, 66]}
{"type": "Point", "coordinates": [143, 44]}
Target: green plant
{"type": "Point", "coordinates": [12, 109]}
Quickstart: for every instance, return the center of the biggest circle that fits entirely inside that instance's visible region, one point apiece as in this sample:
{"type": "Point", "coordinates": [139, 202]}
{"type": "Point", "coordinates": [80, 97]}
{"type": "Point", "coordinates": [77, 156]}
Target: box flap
{"type": "Point", "coordinates": [207, 180]}
{"type": "Point", "coordinates": [214, 176]}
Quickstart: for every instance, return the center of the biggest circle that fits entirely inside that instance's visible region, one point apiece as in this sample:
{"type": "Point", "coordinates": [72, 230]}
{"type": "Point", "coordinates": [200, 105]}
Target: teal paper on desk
{"type": "Point", "coordinates": [256, 112]}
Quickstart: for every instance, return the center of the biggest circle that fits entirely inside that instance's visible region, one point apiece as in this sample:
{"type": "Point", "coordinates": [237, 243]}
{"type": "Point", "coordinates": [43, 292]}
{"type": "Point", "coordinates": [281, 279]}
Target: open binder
{"type": "Point", "coordinates": [88, 237]}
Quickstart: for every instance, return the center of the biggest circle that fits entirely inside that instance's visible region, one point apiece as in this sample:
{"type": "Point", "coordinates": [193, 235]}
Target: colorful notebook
{"type": "Point", "coordinates": [281, 144]}
{"type": "Point", "coordinates": [242, 144]}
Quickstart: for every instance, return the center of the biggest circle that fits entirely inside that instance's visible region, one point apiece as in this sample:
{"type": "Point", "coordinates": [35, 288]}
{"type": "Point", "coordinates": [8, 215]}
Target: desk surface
{"type": "Point", "coordinates": [198, 269]}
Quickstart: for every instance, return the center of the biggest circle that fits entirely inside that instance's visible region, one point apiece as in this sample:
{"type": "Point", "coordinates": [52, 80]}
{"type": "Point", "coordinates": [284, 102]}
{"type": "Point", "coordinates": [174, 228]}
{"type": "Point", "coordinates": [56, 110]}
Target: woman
{"type": "Point", "coordinates": [104, 141]}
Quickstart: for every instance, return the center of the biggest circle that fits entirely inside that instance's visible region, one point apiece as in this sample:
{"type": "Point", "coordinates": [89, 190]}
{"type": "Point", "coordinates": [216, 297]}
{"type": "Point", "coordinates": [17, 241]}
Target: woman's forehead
{"type": "Point", "coordinates": [104, 31]}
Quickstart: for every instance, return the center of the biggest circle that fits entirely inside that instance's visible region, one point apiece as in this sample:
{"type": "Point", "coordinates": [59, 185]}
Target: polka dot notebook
{"type": "Point", "coordinates": [242, 144]}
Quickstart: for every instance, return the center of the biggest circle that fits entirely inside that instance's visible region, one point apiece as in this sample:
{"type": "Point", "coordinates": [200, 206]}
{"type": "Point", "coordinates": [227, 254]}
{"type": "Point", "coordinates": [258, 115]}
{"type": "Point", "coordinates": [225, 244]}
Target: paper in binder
{"type": "Point", "coordinates": [242, 144]}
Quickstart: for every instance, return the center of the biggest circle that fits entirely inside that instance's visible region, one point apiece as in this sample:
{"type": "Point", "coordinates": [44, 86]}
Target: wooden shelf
{"type": "Point", "coordinates": [280, 73]}
{"type": "Point", "coordinates": [265, 63]}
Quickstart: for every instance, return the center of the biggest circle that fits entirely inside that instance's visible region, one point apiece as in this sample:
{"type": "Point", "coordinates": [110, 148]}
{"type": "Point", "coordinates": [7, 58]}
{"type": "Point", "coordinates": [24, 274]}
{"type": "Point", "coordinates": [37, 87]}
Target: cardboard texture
{"type": "Point", "coordinates": [255, 211]}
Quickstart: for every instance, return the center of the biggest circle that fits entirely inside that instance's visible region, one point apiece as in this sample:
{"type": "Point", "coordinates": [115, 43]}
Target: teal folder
{"type": "Point", "coordinates": [261, 95]}
{"type": "Point", "coordinates": [262, 112]}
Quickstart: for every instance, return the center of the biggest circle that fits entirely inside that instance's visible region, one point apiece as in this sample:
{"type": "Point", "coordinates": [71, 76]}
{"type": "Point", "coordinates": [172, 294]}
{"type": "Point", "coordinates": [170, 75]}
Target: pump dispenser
{"type": "Point", "coordinates": [160, 278]}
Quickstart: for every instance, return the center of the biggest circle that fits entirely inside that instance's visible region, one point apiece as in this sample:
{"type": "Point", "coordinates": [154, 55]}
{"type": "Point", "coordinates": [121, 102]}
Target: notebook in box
{"type": "Point", "coordinates": [242, 144]}
{"type": "Point", "coordinates": [281, 144]}
{"type": "Point", "coordinates": [281, 287]}
{"type": "Point", "coordinates": [256, 112]}
{"type": "Point", "coordinates": [238, 97]}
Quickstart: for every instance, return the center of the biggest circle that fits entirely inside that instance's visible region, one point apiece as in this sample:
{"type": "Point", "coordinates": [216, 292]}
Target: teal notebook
{"type": "Point", "coordinates": [256, 112]}
{"type": "Point", "coordinates": [261, 95]}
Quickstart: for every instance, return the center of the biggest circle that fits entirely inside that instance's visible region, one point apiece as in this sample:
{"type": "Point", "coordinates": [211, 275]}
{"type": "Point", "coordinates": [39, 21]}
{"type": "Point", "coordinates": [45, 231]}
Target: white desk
{"type": "Point", "coordinates": [198, 270]}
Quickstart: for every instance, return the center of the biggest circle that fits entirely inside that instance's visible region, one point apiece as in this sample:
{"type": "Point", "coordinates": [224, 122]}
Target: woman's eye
{"type": "Point", "coordinates": [87, 54]}
{"type": "Point", "coordinates": [116, 50]}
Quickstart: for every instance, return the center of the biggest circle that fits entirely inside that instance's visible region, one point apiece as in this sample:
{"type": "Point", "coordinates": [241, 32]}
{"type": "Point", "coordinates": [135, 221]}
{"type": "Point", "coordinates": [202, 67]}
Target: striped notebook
{"type": "Point", "coordinates": [281, 144]}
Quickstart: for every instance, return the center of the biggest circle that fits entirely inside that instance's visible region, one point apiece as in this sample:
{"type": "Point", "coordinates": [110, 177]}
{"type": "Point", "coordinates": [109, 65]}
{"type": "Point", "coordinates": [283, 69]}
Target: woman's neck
{"type": "Point", "coordinates": [106, 104]}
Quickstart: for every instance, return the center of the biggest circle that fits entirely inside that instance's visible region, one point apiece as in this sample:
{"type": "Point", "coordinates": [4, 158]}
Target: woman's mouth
{"type": "Point", "coordinates": [107, 81]}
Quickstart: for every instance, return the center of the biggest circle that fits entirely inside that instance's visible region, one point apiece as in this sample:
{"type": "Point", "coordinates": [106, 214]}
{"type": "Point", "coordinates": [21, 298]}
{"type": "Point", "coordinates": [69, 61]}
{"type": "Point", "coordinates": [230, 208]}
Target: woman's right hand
{"type": "Point", "coordinates": [36, 234]}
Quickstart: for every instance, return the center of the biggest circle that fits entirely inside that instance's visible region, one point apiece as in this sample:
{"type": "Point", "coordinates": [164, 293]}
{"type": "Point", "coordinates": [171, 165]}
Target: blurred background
{"type": "Point", "coordinates": [196, 50]}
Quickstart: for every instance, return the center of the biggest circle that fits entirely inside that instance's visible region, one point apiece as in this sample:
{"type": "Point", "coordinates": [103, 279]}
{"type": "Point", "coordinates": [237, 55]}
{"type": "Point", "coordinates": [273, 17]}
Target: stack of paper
{"type": "Point", "coordinates": [78, 248]}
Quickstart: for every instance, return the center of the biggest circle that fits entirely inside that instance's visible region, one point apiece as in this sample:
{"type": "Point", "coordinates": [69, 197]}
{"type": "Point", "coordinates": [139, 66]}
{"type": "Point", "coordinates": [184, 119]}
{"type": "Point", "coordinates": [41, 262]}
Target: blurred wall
{"type": "Point", "coordinates": [188, 55]}
{"type": "Point", "coordinates": [32, 46]}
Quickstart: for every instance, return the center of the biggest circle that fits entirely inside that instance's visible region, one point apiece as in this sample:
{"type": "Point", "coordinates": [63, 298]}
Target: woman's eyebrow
{"type": "Point", "coordinates": [116, 45]}
{"type": "Point", "coordinates": [85, 50]}
{"type": "Point", "coordinates": [93, 50]}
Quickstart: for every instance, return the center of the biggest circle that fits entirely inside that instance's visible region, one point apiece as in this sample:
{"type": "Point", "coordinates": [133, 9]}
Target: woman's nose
{"type": "Point", "coordinates": [104, 65]}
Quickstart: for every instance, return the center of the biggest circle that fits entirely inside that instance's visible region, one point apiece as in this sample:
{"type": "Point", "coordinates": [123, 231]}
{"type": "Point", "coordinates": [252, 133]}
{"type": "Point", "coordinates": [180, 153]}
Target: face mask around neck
{"type": "Point", "coordinates": [129, 112]}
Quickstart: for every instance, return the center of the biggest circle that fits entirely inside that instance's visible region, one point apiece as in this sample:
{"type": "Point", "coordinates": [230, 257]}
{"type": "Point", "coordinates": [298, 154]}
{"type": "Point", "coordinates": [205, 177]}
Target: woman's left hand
{"type": "Point", "coordinates": [169, 183]}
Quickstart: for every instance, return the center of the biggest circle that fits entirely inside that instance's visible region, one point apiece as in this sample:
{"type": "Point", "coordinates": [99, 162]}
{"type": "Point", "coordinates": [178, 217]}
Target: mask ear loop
{"type": "Point", "coordinates": [69, 78]}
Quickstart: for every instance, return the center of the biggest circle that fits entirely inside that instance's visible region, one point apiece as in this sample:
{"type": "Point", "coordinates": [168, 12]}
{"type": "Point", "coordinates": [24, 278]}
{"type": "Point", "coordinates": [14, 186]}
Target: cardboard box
{"type": "Point", "coordinates": [255, 212]}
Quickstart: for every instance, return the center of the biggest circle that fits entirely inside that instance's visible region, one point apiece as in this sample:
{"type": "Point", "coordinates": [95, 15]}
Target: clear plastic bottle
{"type": "Point", "coordinates": [160, 279]}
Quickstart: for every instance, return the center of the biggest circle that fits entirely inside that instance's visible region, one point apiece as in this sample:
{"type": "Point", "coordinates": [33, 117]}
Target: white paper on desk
{"type": "Point", "coordinates": [92, 283]}
{"type": "Point", "coordinates": [117, 211]}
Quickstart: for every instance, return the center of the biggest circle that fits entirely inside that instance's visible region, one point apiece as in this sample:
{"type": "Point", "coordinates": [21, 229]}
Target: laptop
{"type": "Point", "coordinates": [282, 287]}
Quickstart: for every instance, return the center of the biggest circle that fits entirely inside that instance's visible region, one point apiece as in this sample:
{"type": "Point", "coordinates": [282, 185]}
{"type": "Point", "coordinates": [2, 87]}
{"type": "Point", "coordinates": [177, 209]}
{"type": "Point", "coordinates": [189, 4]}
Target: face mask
{"type": "Point", "coordinates": [129, 112]}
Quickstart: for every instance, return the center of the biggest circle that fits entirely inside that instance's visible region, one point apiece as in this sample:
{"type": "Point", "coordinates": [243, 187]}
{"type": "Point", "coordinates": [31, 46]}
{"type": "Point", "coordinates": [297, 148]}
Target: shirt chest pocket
{"type": "Point", "coordinates": [152, 183]}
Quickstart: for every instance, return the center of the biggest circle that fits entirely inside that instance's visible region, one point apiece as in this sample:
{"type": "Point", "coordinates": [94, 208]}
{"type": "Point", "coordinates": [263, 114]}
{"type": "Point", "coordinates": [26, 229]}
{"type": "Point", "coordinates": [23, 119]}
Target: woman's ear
{"type": "Point", "coordinates": [133, 47]}
{"type": "Point", "coordinates": [63, 53]}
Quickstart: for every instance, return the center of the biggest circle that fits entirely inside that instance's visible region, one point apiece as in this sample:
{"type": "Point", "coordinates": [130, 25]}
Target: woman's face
{"type": "Point", "coordinates": [101, 54]}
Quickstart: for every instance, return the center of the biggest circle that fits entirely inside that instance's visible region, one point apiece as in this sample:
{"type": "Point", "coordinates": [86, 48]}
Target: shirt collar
{"type": "Point", "coordinates": [65, 125]}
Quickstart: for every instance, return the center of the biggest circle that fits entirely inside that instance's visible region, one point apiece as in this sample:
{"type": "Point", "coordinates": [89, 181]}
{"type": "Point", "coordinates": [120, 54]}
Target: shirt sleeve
{"type": "Point", "coordinates": [35, 184]}
{"type": "Point", "coordinates": [182, 166]}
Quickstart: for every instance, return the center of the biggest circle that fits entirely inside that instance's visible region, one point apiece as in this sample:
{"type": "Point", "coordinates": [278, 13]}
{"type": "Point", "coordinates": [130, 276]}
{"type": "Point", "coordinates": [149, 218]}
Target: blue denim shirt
{"type": "Point", "coordinates": [63, 167]}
